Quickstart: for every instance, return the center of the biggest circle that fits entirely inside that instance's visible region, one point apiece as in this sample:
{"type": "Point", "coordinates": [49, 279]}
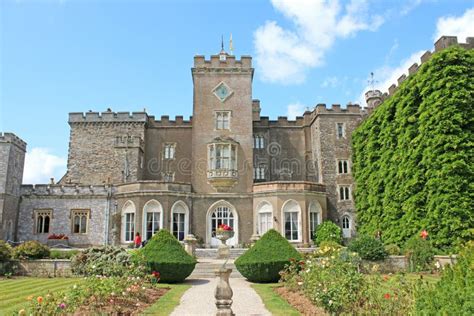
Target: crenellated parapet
{"type": "Point", "coordinates": [165, 121]}
{"type": "Point", "coordinates": [66, 190]}
{"type": "Point", "coordinates": [320, 109]}
{"type": "Point", "coordinates": [442, 43]}
{"type": "Point", "coordinates": [13, 139]}
{"type": "Point", "coordinates": [282, 121]}
{"type": "Point", "coordinates": [108, 117]}
{"type": "Point", "coordinates": [222, 63]}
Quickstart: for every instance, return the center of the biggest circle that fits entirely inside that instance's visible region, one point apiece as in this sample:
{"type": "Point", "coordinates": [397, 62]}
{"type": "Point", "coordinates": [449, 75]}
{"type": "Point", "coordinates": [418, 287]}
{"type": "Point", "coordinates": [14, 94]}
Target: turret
{"type": "Point", "coordinates": [373, 98]}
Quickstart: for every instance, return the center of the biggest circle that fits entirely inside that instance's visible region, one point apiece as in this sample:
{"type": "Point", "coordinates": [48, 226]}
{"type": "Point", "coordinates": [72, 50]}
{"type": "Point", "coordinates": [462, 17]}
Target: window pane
{"type": "Point", "coordinates": [83, 224]}
{"type": "Point", "coordinates": [39, 225]}
{"type": "Point", "coordinates": [46, 224]}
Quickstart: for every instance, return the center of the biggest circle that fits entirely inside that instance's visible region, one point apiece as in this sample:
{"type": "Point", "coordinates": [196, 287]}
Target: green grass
{"type": "Point", "coordinates": [167, 303]}
{"type": "Point", "coordinates": [273, 302]}
{"type": "Point", "coordinates": [14, 292]}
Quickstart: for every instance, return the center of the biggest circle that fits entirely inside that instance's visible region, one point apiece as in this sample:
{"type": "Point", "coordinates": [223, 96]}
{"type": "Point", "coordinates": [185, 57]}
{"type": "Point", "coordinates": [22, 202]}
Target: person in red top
{"type": "Point", "coordinates": [138, 240]}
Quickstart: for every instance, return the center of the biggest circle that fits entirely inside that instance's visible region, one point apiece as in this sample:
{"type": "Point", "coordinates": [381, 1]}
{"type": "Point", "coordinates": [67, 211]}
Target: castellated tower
{"type": "Point", "coordinates": [373, 98]}
{"type": "Point", "coordinates": [12, 160]}
{"type": "Point", "coordinates": [106, 147]}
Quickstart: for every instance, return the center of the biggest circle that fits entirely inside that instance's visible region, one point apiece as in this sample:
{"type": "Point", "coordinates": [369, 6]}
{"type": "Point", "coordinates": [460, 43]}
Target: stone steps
{"type": "Point", "coordinates": [205, 268]}
{"type": "Point", "coordinates": [212, 252]}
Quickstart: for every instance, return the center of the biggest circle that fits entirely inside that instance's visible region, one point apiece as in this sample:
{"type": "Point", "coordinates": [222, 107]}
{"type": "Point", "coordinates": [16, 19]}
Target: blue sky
{"type": "Point", "coordinates": [62, 56]}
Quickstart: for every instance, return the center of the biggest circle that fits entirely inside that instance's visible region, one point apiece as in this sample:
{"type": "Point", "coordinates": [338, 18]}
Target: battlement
{"type": "Point", "coordinates": [107, 117]}
{"type": "Point", "coordinates": [282, 121]}
{"type": "Point", "coordinates": [13, 139]}
{"type": "Point", "coordinates": [373, 94]}
{"type": "Point", "coordinates": [230, 62]}
{"type": "Point", "coordinates": [165, 121]}
{"type": "Point", "coordinates": [337, 109]}
{"type": "Point", "coordinates": [65, 190]}
{"type": "Point", "coordinates": [442, 43]}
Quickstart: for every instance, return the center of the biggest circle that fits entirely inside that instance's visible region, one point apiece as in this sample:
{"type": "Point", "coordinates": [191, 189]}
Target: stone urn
{"type": "Point", "coordinates": [223, 292]}
{"type": "Point", "coordinates": [223, 251]}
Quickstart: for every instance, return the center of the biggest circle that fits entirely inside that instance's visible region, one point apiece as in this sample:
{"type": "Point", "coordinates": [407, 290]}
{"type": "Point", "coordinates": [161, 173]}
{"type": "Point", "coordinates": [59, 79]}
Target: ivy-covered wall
{"type": "Point", "coordinates": [413, 157]}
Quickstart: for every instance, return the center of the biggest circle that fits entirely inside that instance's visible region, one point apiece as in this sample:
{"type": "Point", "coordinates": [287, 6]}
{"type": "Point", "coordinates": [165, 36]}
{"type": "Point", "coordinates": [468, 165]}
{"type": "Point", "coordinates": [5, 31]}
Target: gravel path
{"type": "Point", "coordinates": [199, 299]}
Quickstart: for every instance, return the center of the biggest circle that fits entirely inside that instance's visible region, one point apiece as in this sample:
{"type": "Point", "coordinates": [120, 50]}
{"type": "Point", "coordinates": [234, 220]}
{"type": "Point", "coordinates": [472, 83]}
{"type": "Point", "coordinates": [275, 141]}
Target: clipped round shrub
{"type": "Point", "coordinates": [328, 231]}
{"type": "Point", "coordinates": [106, 261]}
{"type": "Point", "coordinates": [164, 254]}
{"type": "Point", "coordinates": [368, 248]}
{"type": "Point", "coordinates": [31, 250]}
{"type": "Point", "coordinates": [392, 250]}
{"type": "Point", "coordinates": [264, 261]}
{"type": "Point", "coordinates": [5, 251]}
{"type": "Point", "coordinates": [420, 253]}
{"type": "Point", "coordinates": [330, 245]}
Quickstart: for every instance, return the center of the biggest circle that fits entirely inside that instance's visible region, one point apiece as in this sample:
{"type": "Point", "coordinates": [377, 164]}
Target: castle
{"type": "Point", "coordinates": [131, 173]}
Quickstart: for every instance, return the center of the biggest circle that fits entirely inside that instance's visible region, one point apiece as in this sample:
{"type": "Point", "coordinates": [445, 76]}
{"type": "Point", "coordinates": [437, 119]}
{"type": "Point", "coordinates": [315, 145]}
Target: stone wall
{"type": "Point", "coordinates": [43, 268]}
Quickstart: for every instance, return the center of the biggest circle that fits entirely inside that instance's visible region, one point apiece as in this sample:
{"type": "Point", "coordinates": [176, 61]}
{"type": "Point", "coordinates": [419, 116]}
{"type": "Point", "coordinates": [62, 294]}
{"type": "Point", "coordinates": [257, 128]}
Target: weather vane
{"type": "Point", "coordinates": [372, 81]}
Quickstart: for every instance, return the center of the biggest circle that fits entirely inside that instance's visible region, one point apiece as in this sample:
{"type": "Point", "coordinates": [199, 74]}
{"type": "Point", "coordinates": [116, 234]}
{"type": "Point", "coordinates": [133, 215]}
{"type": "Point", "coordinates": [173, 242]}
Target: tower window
{"type": "Point", "coordinates": [258, 142]}
{"type": "Point", "coordinates": [223, 120]}
{"type": "Point", "coordinates": [43, 221]}
{"type": "Point", "coordinates": [169, 151]}
{"type": "Point", "coordinates": [259, 173]}
{"type": "Point", "coordinates": [344, 193]}
{"type": "Point", "coordinates": [343, 166]}
{"type": "Point", "coordinates": [341, 132]}
{"type": "Point", "coordinates": [222, 156]}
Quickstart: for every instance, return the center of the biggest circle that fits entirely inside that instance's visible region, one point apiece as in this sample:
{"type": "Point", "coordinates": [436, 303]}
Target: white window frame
{"type": "Point", "coordinates": [264, 209]}
{"type": "Point", "coordinates": [258, 142]}
{"type": "Point", "coordinates": [343, 125]}
{"type": "Point", "coordinates": [296, 212]}
{"type": "Point", "coordinates": [152, 207]}
{"type": "Point", "coordinates": [222, 120]}
{"type": "Point", "coordinates": [128, 210]}
{"type": "Point", "coordinates": [81, 213]}
{"type": "Point", "coordinates": [341, 163]}
{"type": "Point", "coordinates": [223, 162]}
{"type": "Point", "coordinates": [169, 151]}
{"type": "Point", "coordinates": [259, 173]}
{"type": "Point", "coordinates": [43, 213]}
{"type": "Point", "coordinates": [314, 208]}
{"type": "Point", "coordinates": [344, 192]}
{"type": "Point", "coordinates": [184, 210]}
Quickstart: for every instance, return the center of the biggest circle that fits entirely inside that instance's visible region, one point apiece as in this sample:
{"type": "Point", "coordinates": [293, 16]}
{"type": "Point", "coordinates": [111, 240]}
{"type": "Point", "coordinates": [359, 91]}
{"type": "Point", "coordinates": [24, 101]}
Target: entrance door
{"type": "Point", "coordinates": [222, 215]}
{"type": "Point", "coordinates": [346, 227]}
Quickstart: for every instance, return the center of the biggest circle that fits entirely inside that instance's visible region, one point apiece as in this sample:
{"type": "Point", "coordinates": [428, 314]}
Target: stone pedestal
{"type": "Point", "coordinates": [254, 239]}
{"type": "Point", "coordinates": [223, 293]}
{"type": "Point", "coordinates": [223, 251]}
{"type": "Point", "coordinates": [190, 244]}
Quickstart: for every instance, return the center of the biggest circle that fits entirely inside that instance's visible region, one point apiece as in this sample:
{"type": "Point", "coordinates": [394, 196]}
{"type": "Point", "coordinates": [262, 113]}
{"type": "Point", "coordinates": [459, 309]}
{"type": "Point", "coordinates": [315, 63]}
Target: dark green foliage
{"type": "Point", "coordinates": [392, 250]}
{"type": "Point", "coordinates": [62, 254]}
{"type": "Point", "coordinates": [454, 293]}
{"type": "Point", "coordinates": [164, 254]}
{"type": "Point", "coordinates": [420, 254]}
{"type": "Point", "coordinates": [368, 248]}
{"type": "Point", "coordinates": [31, 250]}
{"type": "Point", "coordinates": [264, 261]}
{"type": "Point", "coordinates": [413, 157]}
{"type": "Point", "coordinates": [107, 261]}
{"type": "Point", "coordinates": [5, 251]}
{"type": "Point", "coordinates": [328, 231]}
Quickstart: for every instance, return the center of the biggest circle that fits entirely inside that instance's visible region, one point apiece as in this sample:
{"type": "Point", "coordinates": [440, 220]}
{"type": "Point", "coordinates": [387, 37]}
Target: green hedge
{"type": "Point", "coordinates": [368, 248]}
{"type": "Point", "coordinates": [31, 250]}
{"type": "Point", "coordinates": [328, 231]}
{"type": "Point", "coordinates": [264, 261]}
{"type": "Point", "coordinates": [413, 156]}
{"type": "Point", "coordinates": [5, 251]}
{"type": "Point", "coordinates": [164, 254]}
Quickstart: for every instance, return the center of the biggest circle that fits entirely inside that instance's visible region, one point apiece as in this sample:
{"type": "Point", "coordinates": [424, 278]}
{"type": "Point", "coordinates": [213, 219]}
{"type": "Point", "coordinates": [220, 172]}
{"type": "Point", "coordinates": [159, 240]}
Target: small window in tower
{"type": "Point", "coordinates": [344, 193]}
{"type": "Point", "coordinates": [259, 173]}
{"type": "Point", "coordinates": [43, 221]}
{"type": "Point", "coordinates": [341, 133]}
{"type": "Point", "coordinates": [169, 151]}
{"type": "Point", "coordinates": [223, 120]}
{"type": "Point", "coordinates": [80, 220]}
{"type": "Point", "coordinates": [258, 142]}
{"type": "Point", "coordinates": [343, 167]}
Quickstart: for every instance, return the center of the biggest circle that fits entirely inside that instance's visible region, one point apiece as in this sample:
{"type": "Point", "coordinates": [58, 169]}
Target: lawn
{"type": "Point", "coordinates": [167, 303]}
{"type": "Point", "coordinates": [14, 292]}
{"type": "Point", "coordinates": [273, 302]}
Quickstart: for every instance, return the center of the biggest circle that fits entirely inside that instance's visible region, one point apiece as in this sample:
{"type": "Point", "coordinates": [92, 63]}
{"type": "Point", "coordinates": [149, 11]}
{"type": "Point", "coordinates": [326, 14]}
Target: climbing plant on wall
{"type": "Point", "coordinates": [413, 157]}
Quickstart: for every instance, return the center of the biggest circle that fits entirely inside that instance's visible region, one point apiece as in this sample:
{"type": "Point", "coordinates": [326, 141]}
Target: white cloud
{"type": "Point", "coordinates": [461, 27]}
{"type": "Point", "coordinates": [285, 55]}
{"type": "Point", "coordinates": [41, 165]}
{"type": "Point", "coordinates": [330, 82]}
{"type": "Point", "coordinates": [294, 110]}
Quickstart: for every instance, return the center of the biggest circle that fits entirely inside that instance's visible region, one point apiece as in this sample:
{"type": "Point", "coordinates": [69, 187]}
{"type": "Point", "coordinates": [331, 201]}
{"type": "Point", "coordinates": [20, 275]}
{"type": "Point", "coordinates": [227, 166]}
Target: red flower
{"type": "Point", "coordinates": [386, 296]}
{"type": "Point", "coordinates": [424, 234]}
{"type": "Point", "coordinates": [385, 277]}
{"type": "Point", "coordinates": [156, 274]}
{"type": "Point", "coordinates": [225, 227]}
{"type": "Point", "coordinates": [301, 263]}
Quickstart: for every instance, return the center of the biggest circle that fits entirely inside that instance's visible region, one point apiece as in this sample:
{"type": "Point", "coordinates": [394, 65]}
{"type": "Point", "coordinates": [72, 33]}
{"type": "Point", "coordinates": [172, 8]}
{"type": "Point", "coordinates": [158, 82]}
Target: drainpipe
{"type": "Point", "coordinates": [107, 214]}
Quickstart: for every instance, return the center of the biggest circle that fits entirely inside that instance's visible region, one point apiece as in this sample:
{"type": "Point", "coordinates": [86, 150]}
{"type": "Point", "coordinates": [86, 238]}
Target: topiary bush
{"type": "Point", "coordinates": [31, 250]}
{"type": "Point", "coordinates": [420, 253]}
{"type": "Point", "coordinates": [106, 261]}
{"type": "Point", "coordinates": [5, 251]}
{"type": "Point", "coordinates": [264, 261]}
{"type": "Point", "coordinates": [454, 293]}
{"type": "Point", "coordinates": [368, 248]}
{"type": "Point", "coordinates": [164, 254]}
{"type": "Point", "coordinates": [328, 231]}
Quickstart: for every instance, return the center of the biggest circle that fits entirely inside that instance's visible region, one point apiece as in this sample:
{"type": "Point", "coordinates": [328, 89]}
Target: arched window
{"type": "Point", "coordinates": [346, 226]}
{"type": "Point", "coordinates": [43, 221]}
{"type": "Point", "coordinates": [128, 221]}
{"type": "Point", "coordinates": [314, 218]}
{"type": "Point", "coordinates": [219, 213]}
{"type": "Point", "coordinates": [152, 218]}
{"type": "Point", "coordinates": [179, 224]}
{"type": "Point", "coordinates": [291, 216]}
{"type": "Point", "coordinates": [265, 217]}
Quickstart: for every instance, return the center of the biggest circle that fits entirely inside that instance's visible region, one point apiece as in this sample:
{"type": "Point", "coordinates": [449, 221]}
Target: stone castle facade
{"type": "Point", "coordinates": [130, 172]}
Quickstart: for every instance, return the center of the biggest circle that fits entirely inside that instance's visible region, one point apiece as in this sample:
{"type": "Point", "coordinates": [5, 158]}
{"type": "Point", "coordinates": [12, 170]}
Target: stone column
{"type": "Point", "coordinates": [223, 293]}
{"type": "Point", "coordinates": [190, 244]}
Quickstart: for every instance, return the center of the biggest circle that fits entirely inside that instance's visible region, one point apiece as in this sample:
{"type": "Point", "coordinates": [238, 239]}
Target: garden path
{"type": "Point", "coordinates": [199, 299]}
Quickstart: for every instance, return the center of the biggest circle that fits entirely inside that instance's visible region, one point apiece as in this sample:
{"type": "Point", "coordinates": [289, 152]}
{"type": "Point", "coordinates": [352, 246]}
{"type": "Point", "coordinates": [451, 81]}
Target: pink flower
{"type": "Point", "coordinates": [62, 306]}
{"type": "Point", "coordinates": [424, 234]}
